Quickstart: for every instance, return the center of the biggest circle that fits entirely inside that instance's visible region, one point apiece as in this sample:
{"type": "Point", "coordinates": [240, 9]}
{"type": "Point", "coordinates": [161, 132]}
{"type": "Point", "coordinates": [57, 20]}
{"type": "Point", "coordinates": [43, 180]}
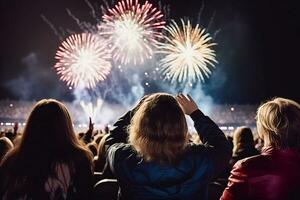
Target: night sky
{"type": "Point", "coordinates": [257, 47]}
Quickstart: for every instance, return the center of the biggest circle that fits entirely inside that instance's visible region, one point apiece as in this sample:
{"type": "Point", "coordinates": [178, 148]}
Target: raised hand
{"type": "Point", "coordinates": [87, 138]}
{"type": "Point", "coordinates": [187, 104]}
{"type": "Point", "coordinates": [91, 125]}
{"type": "Point", "coordinates": [16, 127]}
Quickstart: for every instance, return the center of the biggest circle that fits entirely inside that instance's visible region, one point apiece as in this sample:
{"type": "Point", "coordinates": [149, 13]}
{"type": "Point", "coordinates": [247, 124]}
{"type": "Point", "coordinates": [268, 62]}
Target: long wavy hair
{"type": "Point", "coordinates": [279, 121]}
{"type": "Point", "coordinates": [242, 139]}
{"type": "Point", "coordinates": [48, 138]}
{"type": "Point", "coordinates": [158, 129]}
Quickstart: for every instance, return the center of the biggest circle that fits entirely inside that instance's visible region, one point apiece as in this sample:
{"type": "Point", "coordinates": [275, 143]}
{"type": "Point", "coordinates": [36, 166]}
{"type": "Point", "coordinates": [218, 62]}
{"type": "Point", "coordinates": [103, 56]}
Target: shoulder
{"type": "Point", "coordinates": [250, 163]}
{"type": "Point", "coordinates": [119, 151]}
{"type": "Point", "coordinates": [122, 158]}
{"type": "Point", "coordinates": [82, 159]}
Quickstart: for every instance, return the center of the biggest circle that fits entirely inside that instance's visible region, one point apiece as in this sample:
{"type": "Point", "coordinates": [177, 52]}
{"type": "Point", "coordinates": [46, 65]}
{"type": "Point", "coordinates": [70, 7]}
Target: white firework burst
{"type": "Point", "coordinates": [133, 30]}
{"type": "Point", "coordinates": [187, 51]}
{"type": "Point", "coordinates": [83, 60]}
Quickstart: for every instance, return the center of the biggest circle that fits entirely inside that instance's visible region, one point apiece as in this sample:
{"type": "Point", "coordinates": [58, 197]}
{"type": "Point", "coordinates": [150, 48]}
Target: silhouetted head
{"type": "Point", "coordinates": [242, 139]}
{"type": "Point", "coordinates": [48, 140]}
{"type": "Point", "coordinates": [158, 129]}
{"type": "Point", "coordinates": [49, 128]}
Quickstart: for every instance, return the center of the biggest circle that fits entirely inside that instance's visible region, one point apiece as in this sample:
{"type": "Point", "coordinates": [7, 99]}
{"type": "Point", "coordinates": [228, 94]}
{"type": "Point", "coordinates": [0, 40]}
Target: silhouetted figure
{"type": "Point", "coordinates": [243, 145]}
{"type": "Point", "coordinates": [50, 162]}
{"type": "Point", "coordinates": [100, 159]}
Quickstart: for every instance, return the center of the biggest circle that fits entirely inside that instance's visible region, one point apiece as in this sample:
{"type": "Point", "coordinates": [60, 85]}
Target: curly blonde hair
{"type": "Point", "coordinates": [158, 129]}
{"type": "Point", "coordinates": [279, 120]}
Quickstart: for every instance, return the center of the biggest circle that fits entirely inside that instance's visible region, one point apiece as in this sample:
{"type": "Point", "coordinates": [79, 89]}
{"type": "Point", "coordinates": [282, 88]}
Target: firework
{"type": "Point", "coordinates": [188, 53]}
{"type": "Point", "coordinates": [90, 109]}
{"type": "Point", "coordinates": [132, 30]}
{"type": "Point", "coordinates": [83, 60]}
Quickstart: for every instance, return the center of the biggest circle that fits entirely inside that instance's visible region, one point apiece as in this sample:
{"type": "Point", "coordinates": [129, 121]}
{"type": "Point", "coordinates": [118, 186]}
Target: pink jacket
{"type": "Point", "coordinates": [273, 175]}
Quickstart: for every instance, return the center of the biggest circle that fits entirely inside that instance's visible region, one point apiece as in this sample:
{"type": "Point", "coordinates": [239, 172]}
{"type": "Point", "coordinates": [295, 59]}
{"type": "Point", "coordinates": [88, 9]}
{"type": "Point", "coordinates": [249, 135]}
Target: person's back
{"type": "Point", "coordinates": [156, 135]}
{"type": "Point", "coordinates": [49, 162]}
{"type": "Point", "coordinates": [63, 181]}
{"type": "Point", "coordinates": [188, 179]}
{"type": "Point", "coordinates": [274, 175]}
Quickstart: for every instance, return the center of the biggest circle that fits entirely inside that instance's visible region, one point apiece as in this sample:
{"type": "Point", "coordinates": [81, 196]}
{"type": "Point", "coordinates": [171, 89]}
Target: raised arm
{"type": "Point", "coordinates": [119, 132]}
{"type": "Point", "coordinates": [217, 146]}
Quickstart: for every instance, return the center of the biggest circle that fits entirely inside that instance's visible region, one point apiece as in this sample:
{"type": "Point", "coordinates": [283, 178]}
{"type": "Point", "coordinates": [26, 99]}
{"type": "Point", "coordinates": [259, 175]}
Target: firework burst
{"type": "Point", "coordinates": [133, 30]}
{"type": "Point", "coordinates": [188, 53]}
{"type": "Point", "coordinates": [83, 60]}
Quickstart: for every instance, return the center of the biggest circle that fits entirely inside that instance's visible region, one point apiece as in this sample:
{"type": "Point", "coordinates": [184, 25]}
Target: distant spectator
{"type": "Point", "coordinates": [275, 174]}
{"type": "Point", "coordinates": [5, 146]}
{"type": "Point", "coordinates": [98, 138]}
{"type": "Point", "coordinates": [243, 144]}
{"type": "Point", "coordinates": [49, 162]}
{"type": "Point", "coordinates": [12, 134]}
{"type": "Point", "coordinates": [230, 140]}
{"type": "Point", "coordinates": [106, 129]}
{"type": "Point", "coordinates": [93, 148]}
{"type": "Point", "coordinates": [100, 159]}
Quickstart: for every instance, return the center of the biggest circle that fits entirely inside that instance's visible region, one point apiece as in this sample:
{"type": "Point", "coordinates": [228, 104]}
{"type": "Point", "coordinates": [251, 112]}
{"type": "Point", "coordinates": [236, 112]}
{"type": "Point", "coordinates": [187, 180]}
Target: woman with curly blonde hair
{"type": "Point", "coordinates": [275, 174]}
{"type": "Point", "coordinates": [158, 162]}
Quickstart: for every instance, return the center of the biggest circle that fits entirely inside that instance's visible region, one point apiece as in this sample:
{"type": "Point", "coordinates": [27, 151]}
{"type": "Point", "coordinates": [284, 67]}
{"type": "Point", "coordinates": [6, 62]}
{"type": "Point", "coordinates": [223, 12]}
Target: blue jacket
{"type": "Point", "coordinates": [187, 180]}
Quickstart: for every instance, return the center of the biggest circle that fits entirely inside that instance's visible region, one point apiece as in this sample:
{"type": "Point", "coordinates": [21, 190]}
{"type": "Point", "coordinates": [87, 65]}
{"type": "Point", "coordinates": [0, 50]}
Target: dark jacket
{"type": "Point", "coordinates": [188, 179]}
{"type": "Point", "coordinates": [273, 175]}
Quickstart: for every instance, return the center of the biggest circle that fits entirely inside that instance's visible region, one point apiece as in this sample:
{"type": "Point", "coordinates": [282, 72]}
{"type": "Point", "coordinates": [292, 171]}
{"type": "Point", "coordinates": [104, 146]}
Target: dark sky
{"type": "Point", "coordinates": [257, 47]}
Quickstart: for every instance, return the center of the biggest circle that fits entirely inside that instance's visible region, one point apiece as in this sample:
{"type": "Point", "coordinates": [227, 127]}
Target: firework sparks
{"type": "Point", "coordinates": [133, 30]}
{"type": "Point", "coordinates": [91, 110]}
{"type": "Point", "coordinates": [188, 53]}
{"type": "Point", "coordinates": [83, 60]}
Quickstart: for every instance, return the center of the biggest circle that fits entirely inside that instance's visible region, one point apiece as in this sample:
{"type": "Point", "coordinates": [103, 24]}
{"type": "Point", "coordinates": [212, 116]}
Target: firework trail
{"type": "Point", "coordinates": [90, 109]}
{"type": "Point", "coordinates": [83, 60]}
{"type": "Point", "coordinates": [133, 30]}
{"type": "Point", "coordinates": [188, 53]}
{"type": "Point", "coordinates": [59, 35]}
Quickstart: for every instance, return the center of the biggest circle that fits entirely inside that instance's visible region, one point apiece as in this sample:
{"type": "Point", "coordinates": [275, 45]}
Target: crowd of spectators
{"type": "Point", "coordinates": [48, 160]}
{"type": "Point", "coordinates": [224, 115]}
